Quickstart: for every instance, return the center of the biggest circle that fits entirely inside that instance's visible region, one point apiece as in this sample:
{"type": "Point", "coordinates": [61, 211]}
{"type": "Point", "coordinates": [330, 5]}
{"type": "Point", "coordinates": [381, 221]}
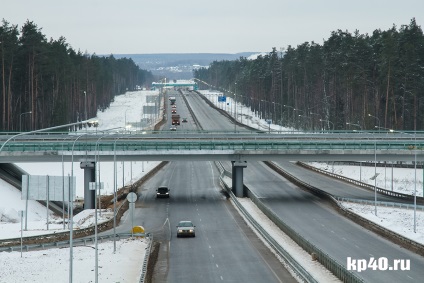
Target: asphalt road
{"type": "Point", "coordinates": [320, 224]}
{"type": "Point", "coordinates": [224, 249]}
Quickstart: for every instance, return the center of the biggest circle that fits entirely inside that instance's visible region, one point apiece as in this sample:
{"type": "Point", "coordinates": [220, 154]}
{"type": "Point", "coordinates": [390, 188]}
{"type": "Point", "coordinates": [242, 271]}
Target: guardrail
{"type": "Point", "coordinates": [362, 184]}
{"type": "Point", "coordinates": [381, 203]}
{"type": "Point", "coordinates": [146, 260]}
{"type": "Point", "coordinates": [65, 243]}
{"type": "Point", "coordinates": [211, 143]}
{"type": "Point", "coordinates": [386, 233]}
{"type": "Point", "coordinates": [325, 259]}
{"type": "Point", "coordinates": [294, 265]}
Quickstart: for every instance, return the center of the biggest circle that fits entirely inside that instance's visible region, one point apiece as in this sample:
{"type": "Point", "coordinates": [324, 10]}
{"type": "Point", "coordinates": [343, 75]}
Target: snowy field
{"type": "Point", "coordinates": [398, 220]}
{"type": "Point", "coordinates": [52, 265]}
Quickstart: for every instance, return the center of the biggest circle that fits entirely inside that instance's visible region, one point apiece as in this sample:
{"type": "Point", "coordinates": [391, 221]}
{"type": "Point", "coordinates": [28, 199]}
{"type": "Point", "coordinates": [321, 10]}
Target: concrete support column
{"type": "Point", "coordinates": [237, 179]}
{"type": "Point", "coordinates": [89, 176]}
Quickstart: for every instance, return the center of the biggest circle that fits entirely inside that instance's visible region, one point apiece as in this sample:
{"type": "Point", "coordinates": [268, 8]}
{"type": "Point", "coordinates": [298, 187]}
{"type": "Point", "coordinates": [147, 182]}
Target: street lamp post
{"type": "Point", "coordinates": [360, 162]}
{"type": "Point", "coordinates": [369, 115]}
{"type": "Point", "coordinates": [71, 212]}
{"type": "Point", "coordinates": [352, 124]}
{"type": "Point", "coordinates": [125, 119]}
{"type": "Point", "coordinates": [85, 104]}
{"type": "Point", "coordinates": [20, 119]}
{"type": "Point", "coordinates": [312, 113]}
{"type": "Point", "coordinates": [288, 112]}
{"type": "Point", "coordinates": [114, 194]}
{"type": "Point", "coordinates": [306, 124]}
{"type": "Point", "coordinates": [329, 122]}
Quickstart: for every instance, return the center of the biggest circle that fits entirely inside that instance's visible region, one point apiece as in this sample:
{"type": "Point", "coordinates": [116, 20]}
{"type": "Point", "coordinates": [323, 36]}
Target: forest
{"type": "Point", "coordinates": [350, 82]}
{"type": "Point", "coordinates": [45, 83]}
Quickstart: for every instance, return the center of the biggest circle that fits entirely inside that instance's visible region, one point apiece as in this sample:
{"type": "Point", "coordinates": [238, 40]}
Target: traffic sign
{"type": "Point", "coordinates": [132, 197]}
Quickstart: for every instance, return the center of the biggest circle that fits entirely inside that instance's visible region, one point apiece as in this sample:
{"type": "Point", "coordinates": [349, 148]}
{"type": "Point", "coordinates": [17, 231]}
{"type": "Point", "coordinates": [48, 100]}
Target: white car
{"type": "Point", "coordinates": [186, 228]}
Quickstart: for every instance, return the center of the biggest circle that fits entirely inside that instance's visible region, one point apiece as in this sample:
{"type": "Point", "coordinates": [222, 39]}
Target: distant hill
{"type": "Point", "coordinates": [178, 65]}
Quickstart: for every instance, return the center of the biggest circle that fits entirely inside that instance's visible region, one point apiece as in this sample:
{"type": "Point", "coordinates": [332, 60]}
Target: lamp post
{"type": "Point", "coordinates": [288, 112]}
{"type": "Point", "coordinates": [71, 209]}
{"type": "Point", "coordinates": [20, 119]}
{"type": "Point", "coordinates": [281, 113]}
{"type": "Point", "coordinates": [303, 116]}
{"type": "Point", "coordinates": [352, 124]}
{"type": "Point", "coordinates": [415, 187]}
{"type": "Point", "coordinates": [125, 119]}
{"type": "Point", "coordinates": [85, 104]}
{"type": "Point", "coordinates": [328, 121]}
{"type": "Point", "coordinates": [369, 115]}
{"type": "Point", "coordinates": [114, 194]}
{"type": "Point", "coordinates": [360, 163]}
{"type": "Point", "coordinates": [312, 113]}
{"type": "Point", "coordinates": [297, 119]}
{"type": "Point", "coordinates": [375, 177]}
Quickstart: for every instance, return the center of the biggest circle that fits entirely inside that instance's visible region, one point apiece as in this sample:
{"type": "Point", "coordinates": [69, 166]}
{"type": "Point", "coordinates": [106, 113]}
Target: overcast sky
{"type": "Point", "coordinates": [198, 26]}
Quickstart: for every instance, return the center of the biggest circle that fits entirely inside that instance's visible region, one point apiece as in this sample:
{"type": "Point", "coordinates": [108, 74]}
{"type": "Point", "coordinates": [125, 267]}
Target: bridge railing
{"type": "Point", "coordinates": [215, 144]}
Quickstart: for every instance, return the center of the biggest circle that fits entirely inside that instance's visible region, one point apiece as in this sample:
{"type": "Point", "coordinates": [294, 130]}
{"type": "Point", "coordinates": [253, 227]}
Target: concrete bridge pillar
{"type": "Point", "coordinates": [89, 176]}
{"type": "Point", "coordinates": [237, 181]}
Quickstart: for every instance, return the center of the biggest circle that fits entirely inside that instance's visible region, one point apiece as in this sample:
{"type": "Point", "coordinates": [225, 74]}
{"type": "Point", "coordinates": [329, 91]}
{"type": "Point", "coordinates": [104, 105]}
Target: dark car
{"type": "Point", "coordinates": [184, 120]}
{"type": "Point", "coordinates": [162, 192]}
{"type": "Point", "coordinates": [185, 228]}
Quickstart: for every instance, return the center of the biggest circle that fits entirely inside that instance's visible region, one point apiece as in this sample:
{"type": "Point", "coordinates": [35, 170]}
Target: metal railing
{"type": "Point", "coordinates": [363, 185]}
{"type": "Point", "coordinates": [76, 242]}
{"type": "Point", "coordinates": [381, 203]}
{"type": "Point", "coordinates": [213, 144]}
{"type": "Point", "coordinates": [294, 265]}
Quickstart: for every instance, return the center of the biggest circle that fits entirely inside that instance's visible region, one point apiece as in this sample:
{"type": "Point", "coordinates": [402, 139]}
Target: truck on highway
{"type": "Point", "coordinates": [175, 119]}
{"type": "Point", "coordinates": [172, 100]}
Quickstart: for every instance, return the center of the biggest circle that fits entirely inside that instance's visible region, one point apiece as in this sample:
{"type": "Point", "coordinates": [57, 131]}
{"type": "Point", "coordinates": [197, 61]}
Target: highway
{"type": "Point", "coordinates": [319, 223]}
{"type": "Point", "coordinates": [224, 249]}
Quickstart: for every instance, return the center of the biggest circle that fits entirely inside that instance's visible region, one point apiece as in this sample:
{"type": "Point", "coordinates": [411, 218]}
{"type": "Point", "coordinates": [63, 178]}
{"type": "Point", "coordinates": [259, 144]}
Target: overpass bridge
{"type": "Point", "coordinates": [211, 146]}
{"type": "Point", "coordinates": [239, 148]}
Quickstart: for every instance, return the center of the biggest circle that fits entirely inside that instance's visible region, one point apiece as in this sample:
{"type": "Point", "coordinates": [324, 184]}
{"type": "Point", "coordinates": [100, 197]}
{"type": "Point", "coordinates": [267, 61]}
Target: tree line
{"type": "Point", "coordinates": [351, 81]}
{"type": "Point", "coordinates": [46, 83]}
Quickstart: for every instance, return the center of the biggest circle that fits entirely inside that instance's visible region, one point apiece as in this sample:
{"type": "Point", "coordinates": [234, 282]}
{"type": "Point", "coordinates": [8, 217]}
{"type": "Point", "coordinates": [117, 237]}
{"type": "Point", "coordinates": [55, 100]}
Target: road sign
{"type": "Point", "coordinates": [132, 197]}
{"type": "Point", "coordinates": [222, 98]}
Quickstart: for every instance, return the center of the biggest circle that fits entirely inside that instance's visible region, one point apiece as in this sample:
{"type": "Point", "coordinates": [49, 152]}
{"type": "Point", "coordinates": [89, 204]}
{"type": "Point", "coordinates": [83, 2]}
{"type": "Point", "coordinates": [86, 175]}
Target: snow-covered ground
{"type": "Point", "coordinates": [396, 219]}
{"type": "Point", "coordinates": [52, 265]}
{"type": "Point", "coordinates": [401, 180]}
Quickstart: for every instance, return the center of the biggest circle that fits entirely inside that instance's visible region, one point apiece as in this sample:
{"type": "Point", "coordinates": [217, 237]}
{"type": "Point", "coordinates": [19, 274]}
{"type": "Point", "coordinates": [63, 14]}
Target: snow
{"type": "Point", "coordinates": [401, 180]}
{"type": "Point", "coordinates": [320, 273]}
{"type": "Point", "coordinates": [124, 265]}
{"type": "Point", "coordinates": [52, 265]}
